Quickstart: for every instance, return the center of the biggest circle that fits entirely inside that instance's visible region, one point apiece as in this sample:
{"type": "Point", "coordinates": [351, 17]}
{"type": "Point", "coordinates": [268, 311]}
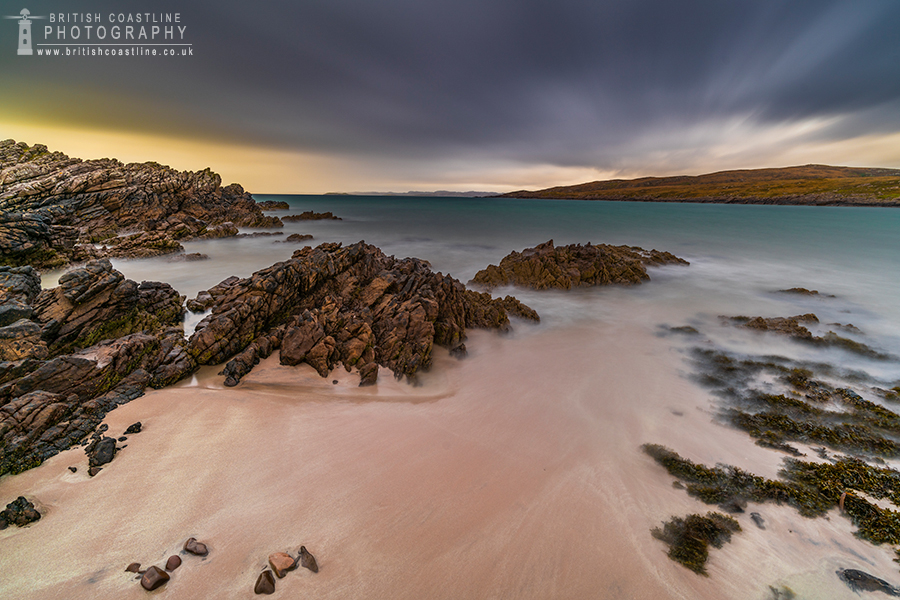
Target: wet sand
{"type": "Point", "coordinates": [515, 473]}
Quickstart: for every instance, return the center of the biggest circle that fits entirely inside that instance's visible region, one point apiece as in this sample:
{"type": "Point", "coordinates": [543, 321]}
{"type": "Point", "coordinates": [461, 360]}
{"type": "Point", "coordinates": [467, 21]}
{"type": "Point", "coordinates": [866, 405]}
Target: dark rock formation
{"type": "Point", "coordinates": [133, 428]}
{"type": "Point", "coordinates": [101, 452]}
{"type": "Point", "coordinates": [133, 568]}
{"type": "Point", "coordinates": [195, 547]}
{"type": "Point", "coordinates": [350, 305]}
{"type": "Point", "coordinates": [153, 578]}
{"type": "Point", "coordinates": [273, 205]}
{"type": "Point", "coordinates": [92, 343]}
{"type": "Point", "coordinates": [296, 238]}
{"type": "Point", "coordinates": [256, 234]}
{"type": "Point", "coordinates": [311, 216]}
{"type": "Point", "coordinates": [860, 581]}
{"type": "Point", "coordinates": [192, 257]}
{"type": "Point", "coordinates": [20, 512]}
{"type": "Point", "coordinates": [793, 327]}
{"type": "Point", "coordinates": [546, 266]}
{"type": "Point", "coordinates": [307, 560]}
{"type": "Point", "coordinates": [265, 583]}
{"type": "Point", "coordinates": [54, 208]}
{"type": "Point", "coordinates": [281, 563]}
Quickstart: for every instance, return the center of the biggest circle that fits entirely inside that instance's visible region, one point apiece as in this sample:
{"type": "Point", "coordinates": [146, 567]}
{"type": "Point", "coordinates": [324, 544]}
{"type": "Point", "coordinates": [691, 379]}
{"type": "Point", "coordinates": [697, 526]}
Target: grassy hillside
{"type": "Point", "coordinates": [809, 184]}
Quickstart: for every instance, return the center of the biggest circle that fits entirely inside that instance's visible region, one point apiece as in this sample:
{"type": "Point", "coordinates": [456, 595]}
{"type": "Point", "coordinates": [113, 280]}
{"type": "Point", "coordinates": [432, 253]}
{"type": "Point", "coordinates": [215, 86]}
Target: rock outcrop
{"type": "Point", "coordinates": [348, 305]}
{"type": "Point", "coordinates": [20, 512]}
{"type": "Point", "coordinates": [53, 208]}
{"type": "Point", "coordinates": [94, 342]}
{"type": "Point", "coordinates": [274, 205]}
{"type": "Point", "coordinates": [547, 266]}
{"type": "Point", "coordinates": [311, 216]}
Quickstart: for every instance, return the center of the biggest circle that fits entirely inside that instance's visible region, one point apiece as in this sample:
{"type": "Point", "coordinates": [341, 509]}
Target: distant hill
{"type": "Point", "coordinates": [819, 185]}
{"type": "Point", "coordinates": [437, 194]}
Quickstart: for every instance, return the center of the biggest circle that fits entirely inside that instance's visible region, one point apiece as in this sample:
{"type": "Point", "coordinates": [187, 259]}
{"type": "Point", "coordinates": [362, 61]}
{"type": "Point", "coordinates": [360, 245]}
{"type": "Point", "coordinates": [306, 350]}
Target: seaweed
{"type": "Point", "coordinates": [811, 488]}
{"type": "Point", "coordinates": [689, 538]}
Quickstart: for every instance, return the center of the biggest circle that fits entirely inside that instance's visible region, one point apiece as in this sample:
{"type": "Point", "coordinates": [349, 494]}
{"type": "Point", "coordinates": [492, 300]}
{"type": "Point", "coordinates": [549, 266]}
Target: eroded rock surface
{"type": "Point", "coordinates": [563, 267]}
{"type": "Point", "coordinates": [94, 342]}
{"type": "Point", "coordinates": [350, 305]}
{"type": "Point", "coordinates": [54, 208]}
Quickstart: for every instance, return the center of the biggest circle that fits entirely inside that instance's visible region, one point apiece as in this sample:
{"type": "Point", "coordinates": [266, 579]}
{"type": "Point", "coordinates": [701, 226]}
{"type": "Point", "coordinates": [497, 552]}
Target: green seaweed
{"type": "Point", "coordinates": [689, 538]}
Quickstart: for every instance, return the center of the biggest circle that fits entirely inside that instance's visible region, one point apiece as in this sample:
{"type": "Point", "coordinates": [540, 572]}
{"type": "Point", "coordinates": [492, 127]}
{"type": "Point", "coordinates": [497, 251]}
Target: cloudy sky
{"type": "Point", "coordinates": [310, 96]}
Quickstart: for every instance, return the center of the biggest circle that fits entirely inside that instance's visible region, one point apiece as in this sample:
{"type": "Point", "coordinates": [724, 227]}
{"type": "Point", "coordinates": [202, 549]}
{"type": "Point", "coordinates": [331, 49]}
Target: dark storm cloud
{"type": "Point", "coordinates": [562, 82]}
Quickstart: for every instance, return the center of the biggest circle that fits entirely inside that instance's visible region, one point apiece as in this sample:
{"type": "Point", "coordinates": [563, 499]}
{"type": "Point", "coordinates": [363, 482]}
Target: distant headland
{"type": "Point", "coordinates": [810, 185]}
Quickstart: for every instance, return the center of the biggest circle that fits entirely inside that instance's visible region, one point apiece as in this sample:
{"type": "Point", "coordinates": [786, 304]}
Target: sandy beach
{"type": "Point", "coordinates": [515, 473]}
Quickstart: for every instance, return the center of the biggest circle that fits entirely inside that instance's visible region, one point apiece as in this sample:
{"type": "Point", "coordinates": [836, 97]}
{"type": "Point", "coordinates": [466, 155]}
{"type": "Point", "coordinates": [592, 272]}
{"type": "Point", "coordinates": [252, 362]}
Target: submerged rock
{"type": "Point", "coordinates": [860, 581]}
{"type": "Point", "coordinates": [547, 266]}
{"type": "Point", "coordinates": [311, 216]}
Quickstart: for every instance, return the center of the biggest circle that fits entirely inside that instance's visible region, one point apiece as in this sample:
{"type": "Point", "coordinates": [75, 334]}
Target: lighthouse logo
{"type": "Point", "coordinates": [24, 31]}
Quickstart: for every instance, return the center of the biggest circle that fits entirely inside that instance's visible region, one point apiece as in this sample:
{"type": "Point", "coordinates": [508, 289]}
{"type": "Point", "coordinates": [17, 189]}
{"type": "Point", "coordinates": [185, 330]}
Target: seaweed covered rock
{"type": "Point", "coordinates": [53, 208]}
{"type": "Point", "coordinates": [795, 327]}
{"type": "Point", "coordinates": [350, 305]}
{"type": "Point", "coordinates": [550, 267]}
{"type": "Point", "coordinates": [689, 538]}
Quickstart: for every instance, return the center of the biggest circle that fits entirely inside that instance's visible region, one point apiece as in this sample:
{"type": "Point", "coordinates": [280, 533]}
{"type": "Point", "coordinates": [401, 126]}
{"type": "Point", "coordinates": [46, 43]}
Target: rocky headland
{"type": "Point", "coordinates": [563, 267]}
{"type": "Point", "coordinates": [56, 210]}
{"type": "Point", "coordinates": [70, 354]}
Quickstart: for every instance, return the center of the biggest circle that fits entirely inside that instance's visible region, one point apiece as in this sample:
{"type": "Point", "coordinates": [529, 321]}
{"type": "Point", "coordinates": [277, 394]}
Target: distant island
{"type": "Point", "coordinates": [436, 194]}
{"type": "Point", "coordinates": [812, 185]}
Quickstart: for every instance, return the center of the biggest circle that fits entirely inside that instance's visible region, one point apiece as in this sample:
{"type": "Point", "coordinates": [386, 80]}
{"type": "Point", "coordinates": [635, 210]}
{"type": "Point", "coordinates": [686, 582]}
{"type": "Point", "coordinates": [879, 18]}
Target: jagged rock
{"type": "Point", "coordinates": [101, 453]}
{"type": "Point", "coordinates": [274, 205]}
{"type": "Point", "coordinates": [22, 340]}
{"type": "Point", "coordinates": [94, 470]}
{"type": "Point", "coordinates": [18, 288]}
{"type": "Point", "coordinates": [265, 583]}
{"type": "Point", "coordinates": [133, 428]}
{"type": "Point", "coordinates": [546, 266]}
{"type": "Point", "coordinates": [20, 512]}
{"type": "Point", "coordinates": [96, 302]}
{"type": "Point", "coordinates": [195, 547]}
{"type": "Point", "coordinates": [281, 563]}
{"type": "Point", "coordinates": [311, 216]}
{"type": "Point", "coordinates": [351, 305]}
{"type": "Point", "coordinates": [52, 207]}
{"type": "Point", "coordinates": [173, 563]}
{"type": "Point", "coordinates": [153, 578]}
{"type": "Point", "coordinates": [368, 374]}
{"type": "Point", "coordinates": [307, 560]}
{"type": "Point", "coordinates": [790, 326]}
{"type": "Point", "coordinates": [296, 238]}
